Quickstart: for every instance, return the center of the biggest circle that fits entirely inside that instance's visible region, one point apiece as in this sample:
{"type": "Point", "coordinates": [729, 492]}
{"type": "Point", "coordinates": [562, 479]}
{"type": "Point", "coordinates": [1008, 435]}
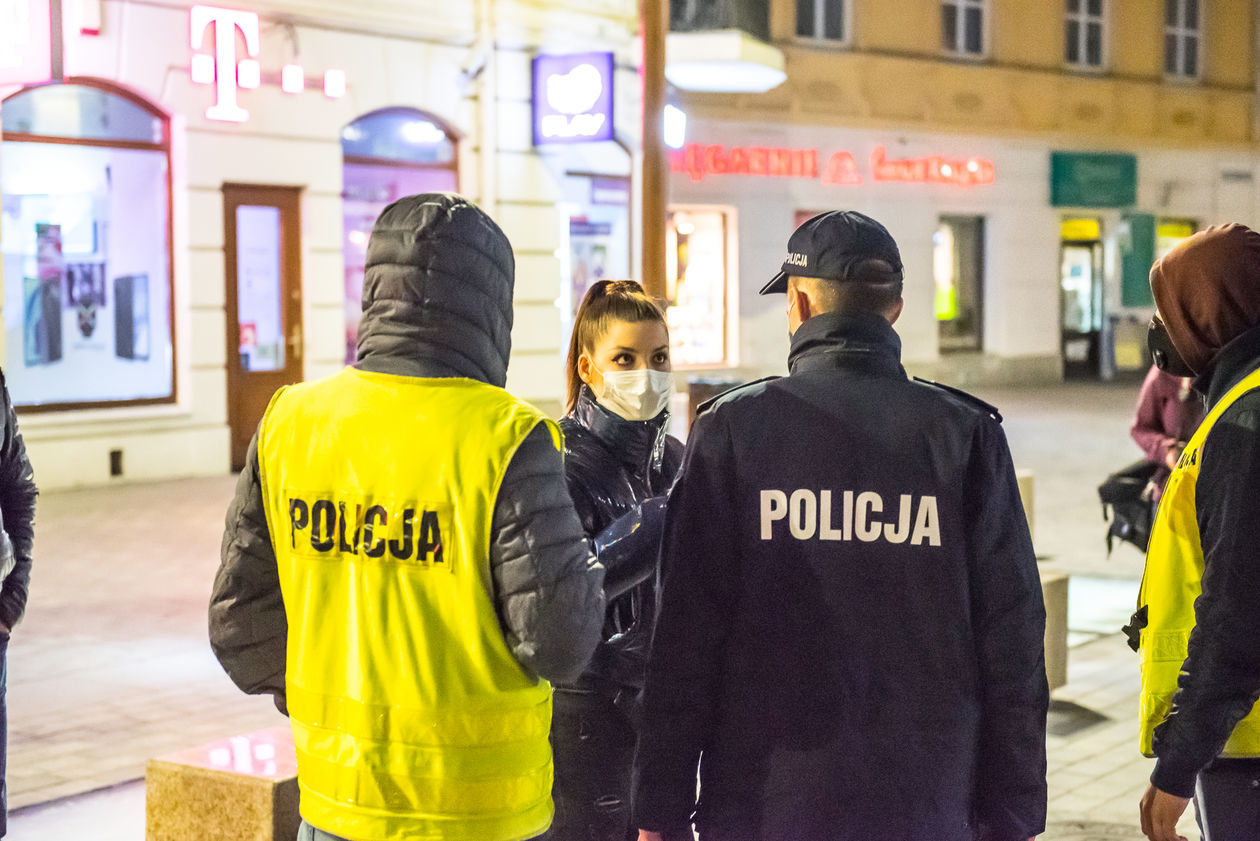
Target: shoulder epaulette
{"type": "Point", "coordinates": [969, 399]}
{"type": "Point", "coordinates": [729, 393]}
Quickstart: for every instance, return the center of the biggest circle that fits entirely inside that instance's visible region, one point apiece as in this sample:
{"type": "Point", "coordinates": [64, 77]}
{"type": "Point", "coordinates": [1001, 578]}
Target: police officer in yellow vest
{"type": "Point", "coordinates": [403, 568]}
{"type": "Point", "coordinates": [1200, 595]}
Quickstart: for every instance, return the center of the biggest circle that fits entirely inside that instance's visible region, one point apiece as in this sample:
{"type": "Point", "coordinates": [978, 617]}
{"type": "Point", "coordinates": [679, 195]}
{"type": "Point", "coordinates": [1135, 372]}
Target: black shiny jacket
{"type": "Point", "coordinates": [612, 465]}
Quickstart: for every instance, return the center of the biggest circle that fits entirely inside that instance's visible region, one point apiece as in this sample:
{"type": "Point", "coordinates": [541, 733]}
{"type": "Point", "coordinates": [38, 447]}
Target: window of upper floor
{"type": "Point", "coordinates": [963, 27]}
{"type": "Point", "coordinates": [1183, 35]}
{"type": "Point", "coordinates": [1085, 31]}
{"type": "Point", "coordinates": [823, 20]}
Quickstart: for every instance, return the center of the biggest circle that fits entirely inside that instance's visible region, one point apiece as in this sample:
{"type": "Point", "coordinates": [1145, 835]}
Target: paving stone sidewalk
{"type": "Point", "coordinates": [111, 665]}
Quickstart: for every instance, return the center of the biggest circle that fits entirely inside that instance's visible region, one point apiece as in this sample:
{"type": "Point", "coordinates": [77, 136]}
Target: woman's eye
{"type": "Point", "coordinates": [623, 359]}
{"type": "Point", "coordinates": [661, 359]}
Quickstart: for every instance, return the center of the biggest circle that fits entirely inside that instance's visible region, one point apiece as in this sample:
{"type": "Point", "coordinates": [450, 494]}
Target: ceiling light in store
{"type": "Point", "coordinates": [422, 133]}
{"type": "Point", "coordinates": [675, 130]}
{"type": "Point", "coordinates": [722, 61]}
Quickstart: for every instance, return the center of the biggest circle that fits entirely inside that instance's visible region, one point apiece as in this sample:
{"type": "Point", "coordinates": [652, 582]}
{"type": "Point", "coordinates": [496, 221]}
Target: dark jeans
{"type": "Point", "coordinates": [593, 744]}
{"type": "Point", "coordinates": [306, 832]}
{"type": "Point", "coordinates": [1227, 800]}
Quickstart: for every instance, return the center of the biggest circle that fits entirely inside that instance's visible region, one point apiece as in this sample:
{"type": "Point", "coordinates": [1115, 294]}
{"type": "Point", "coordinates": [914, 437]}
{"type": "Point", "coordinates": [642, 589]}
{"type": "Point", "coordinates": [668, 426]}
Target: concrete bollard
{"type": "Point", "coordinates": [1054, 591]}
{"type": "Point", "coordinates": [238, 789]}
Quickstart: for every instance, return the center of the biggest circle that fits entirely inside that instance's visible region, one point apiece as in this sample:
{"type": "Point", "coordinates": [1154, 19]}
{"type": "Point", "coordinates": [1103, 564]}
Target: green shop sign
{"type": "Point", "coordinates": [1102, 179]}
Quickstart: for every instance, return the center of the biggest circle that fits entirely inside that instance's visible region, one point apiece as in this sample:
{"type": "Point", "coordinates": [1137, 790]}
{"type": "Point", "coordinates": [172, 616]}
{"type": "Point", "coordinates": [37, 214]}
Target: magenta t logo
{"type": "Point", "coordinates": [223, 69]}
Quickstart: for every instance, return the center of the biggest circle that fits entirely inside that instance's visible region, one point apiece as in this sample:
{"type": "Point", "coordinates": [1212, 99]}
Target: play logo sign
{"type": "Point", "coordinates": [573, 98]}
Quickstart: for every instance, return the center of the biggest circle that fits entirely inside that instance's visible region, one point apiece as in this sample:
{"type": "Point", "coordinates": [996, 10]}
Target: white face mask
{"type": "Point", "coordinates": [636, 395]}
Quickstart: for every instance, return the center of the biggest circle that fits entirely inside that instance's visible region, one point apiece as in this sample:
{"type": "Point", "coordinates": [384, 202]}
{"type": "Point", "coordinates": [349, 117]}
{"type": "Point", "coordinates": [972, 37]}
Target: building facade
{"type": "Point", "coordinates": [185, 209]}
{"type": "Point", "coordinates": [1032, 159]}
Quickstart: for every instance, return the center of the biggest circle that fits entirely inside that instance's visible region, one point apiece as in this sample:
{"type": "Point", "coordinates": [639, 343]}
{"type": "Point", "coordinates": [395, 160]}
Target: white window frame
{"type": "Point", "coordinates": [1083, 19]}
{"type": "Point", "coordinates": [820, 17]}
{"type": "Point", "coordinates": [956, 49]}
{"type": "Point", "coordinates": [1182, 34]}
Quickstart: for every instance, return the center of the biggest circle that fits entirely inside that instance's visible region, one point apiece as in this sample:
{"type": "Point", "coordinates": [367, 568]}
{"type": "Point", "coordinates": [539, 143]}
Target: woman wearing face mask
{"type": "Point", "coordinates": [619, 462]}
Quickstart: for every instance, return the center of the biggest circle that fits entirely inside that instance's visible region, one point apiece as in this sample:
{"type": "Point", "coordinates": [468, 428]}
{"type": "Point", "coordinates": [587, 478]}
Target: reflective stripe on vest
{"type": "Point", "coordinates": [1171, 583]}
{"type": "Point", "coordinates": [410, 716]}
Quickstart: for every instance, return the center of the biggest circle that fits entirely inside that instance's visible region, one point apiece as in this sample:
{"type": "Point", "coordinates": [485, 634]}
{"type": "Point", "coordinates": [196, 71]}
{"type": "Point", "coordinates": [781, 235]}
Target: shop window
{"type": "Point", "coordinates": [1182, 39]}
{"type": "Point", "coordinates": [597, 209]}
{"type": "Point", "coordinates": [86, 240]}
{"type": "Point", "coordinates": [386, 155]}
{"type": "Point", "coordinates": [823, 20]}
{"type": "Point", "coordinates": [1085, 33]}
{"type": "Point", "coordinates": [1169, 232]}
{"type": "Point", "coordinates": [958, 270]}
{"type": "Point", "coordinates": [962, 27]}
{"type": "Point", "coordinates": [696, 274]}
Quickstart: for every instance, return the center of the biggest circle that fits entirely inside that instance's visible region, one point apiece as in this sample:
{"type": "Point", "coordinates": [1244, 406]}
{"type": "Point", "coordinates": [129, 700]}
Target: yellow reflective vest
{"type": "Point", "coordinates": [411, 718]}
{"type": "Point", "coordinates": [1171, 583]}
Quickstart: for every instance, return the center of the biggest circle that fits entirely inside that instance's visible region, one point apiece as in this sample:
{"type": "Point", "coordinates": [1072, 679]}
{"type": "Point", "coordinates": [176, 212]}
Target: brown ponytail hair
{"type": "Point", "coordinates": [606, 303]}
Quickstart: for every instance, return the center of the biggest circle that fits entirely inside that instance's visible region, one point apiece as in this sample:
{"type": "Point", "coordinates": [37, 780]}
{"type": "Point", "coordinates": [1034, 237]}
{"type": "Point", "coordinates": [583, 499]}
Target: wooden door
{"type": "Point", "coordinates": [262, 255]}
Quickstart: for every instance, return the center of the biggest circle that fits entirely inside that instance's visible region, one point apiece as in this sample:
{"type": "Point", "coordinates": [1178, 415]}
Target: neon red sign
{"type": "Point", "coordinates": [700, 161]}
{"type": "Point", "coordinates": [25, 42]}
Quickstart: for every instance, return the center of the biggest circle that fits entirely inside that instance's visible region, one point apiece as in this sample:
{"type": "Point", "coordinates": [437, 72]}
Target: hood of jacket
{"type": "Point", "coordinates": [1207, 290]}
{"type": "Point", "coordinates": [437, 292]}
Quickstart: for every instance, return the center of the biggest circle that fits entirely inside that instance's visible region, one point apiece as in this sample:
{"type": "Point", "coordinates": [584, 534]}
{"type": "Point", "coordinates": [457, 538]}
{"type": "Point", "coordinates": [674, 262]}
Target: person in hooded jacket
{"type": "Point", "coordinates": [619, 462]}
{"type": "Point", "coordinates": [1200, 595]}
{"type": "Point", "coordinates": [402, 567]}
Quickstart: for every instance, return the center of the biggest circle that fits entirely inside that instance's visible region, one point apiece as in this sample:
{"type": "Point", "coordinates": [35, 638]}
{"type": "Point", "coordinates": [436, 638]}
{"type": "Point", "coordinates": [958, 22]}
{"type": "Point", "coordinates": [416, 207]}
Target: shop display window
{"type": "Point", "coordinates": [85, 237]}
{"type": "Point", "coordinates": [597, 211]}
{"type": "Point", "coordinates": [958, 272]}
{"type": "Point", "coordinates": [696, 286]}
{"type": "Point", "coordinates": [387, 154]}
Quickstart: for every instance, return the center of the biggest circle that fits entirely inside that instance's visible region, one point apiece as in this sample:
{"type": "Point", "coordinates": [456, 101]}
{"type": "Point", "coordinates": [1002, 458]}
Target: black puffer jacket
{"type": "Point", "coordinates": [437, 302]}
{"type": "Point", "coordinates": [612, 466]}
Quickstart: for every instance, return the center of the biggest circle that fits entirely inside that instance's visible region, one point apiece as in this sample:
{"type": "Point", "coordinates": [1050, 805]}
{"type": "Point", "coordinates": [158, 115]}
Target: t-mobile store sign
{"type": "Point", "coordinates": [230, 71]}
{"type": "Point", "coordinates": [573, 98]}
{"type": "Point", "coordinates": [25, 42]}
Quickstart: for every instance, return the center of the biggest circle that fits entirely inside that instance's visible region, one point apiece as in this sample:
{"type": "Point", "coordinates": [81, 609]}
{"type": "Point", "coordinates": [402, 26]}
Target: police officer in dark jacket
{"type": "Point", "coordinates": [849, 641]}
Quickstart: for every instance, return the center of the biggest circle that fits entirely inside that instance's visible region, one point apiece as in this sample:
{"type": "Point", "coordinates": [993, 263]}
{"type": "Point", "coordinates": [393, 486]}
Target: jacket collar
{"type": "Point", "coordinates": [1236, 360]}
{"type": "Point", "coordinates": [857, 342]}
{"type": "Point", "coordinates": [633, 442]}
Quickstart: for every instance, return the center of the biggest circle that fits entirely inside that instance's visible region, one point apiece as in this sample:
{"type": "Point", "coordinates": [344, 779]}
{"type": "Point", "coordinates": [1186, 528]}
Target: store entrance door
{"type": "Point", "coordinates": [1081, 298]}
{"type": "Point", "coordinates": [262, 253]}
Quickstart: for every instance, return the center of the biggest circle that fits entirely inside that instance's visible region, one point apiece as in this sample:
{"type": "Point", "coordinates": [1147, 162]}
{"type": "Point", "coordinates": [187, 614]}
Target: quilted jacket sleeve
{"type": "Point", "coordinates": [548, 586]}
{"type": "Point", "coordinates": [248, 627]}
{"type": "Point", "coordinates": [17, 505]}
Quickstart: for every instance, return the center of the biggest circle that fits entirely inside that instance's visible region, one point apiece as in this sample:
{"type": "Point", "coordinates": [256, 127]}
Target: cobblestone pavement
{"type": "Point", "coordinates": [111, 665]}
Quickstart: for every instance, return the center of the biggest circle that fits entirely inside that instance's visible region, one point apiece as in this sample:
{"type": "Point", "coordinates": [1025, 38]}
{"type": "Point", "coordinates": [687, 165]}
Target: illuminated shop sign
{"type": "Point", "coordinates": [573, 98]}
{"type": "Point", "coordinates": [229, 76]}
{"type": "Point", "coordinates": [701, 161]}
{"type": "Point", "coordinates": [25, 42]}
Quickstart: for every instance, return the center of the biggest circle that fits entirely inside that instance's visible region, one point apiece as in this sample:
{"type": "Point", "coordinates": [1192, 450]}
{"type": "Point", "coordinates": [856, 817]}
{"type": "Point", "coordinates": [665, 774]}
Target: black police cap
{"type": "Point", "coordinates": [831, 245]}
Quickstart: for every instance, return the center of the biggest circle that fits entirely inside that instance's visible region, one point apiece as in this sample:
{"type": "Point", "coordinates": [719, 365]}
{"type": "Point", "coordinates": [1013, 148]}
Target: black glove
{"type": "Point", "coordinates": [629, 548]}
